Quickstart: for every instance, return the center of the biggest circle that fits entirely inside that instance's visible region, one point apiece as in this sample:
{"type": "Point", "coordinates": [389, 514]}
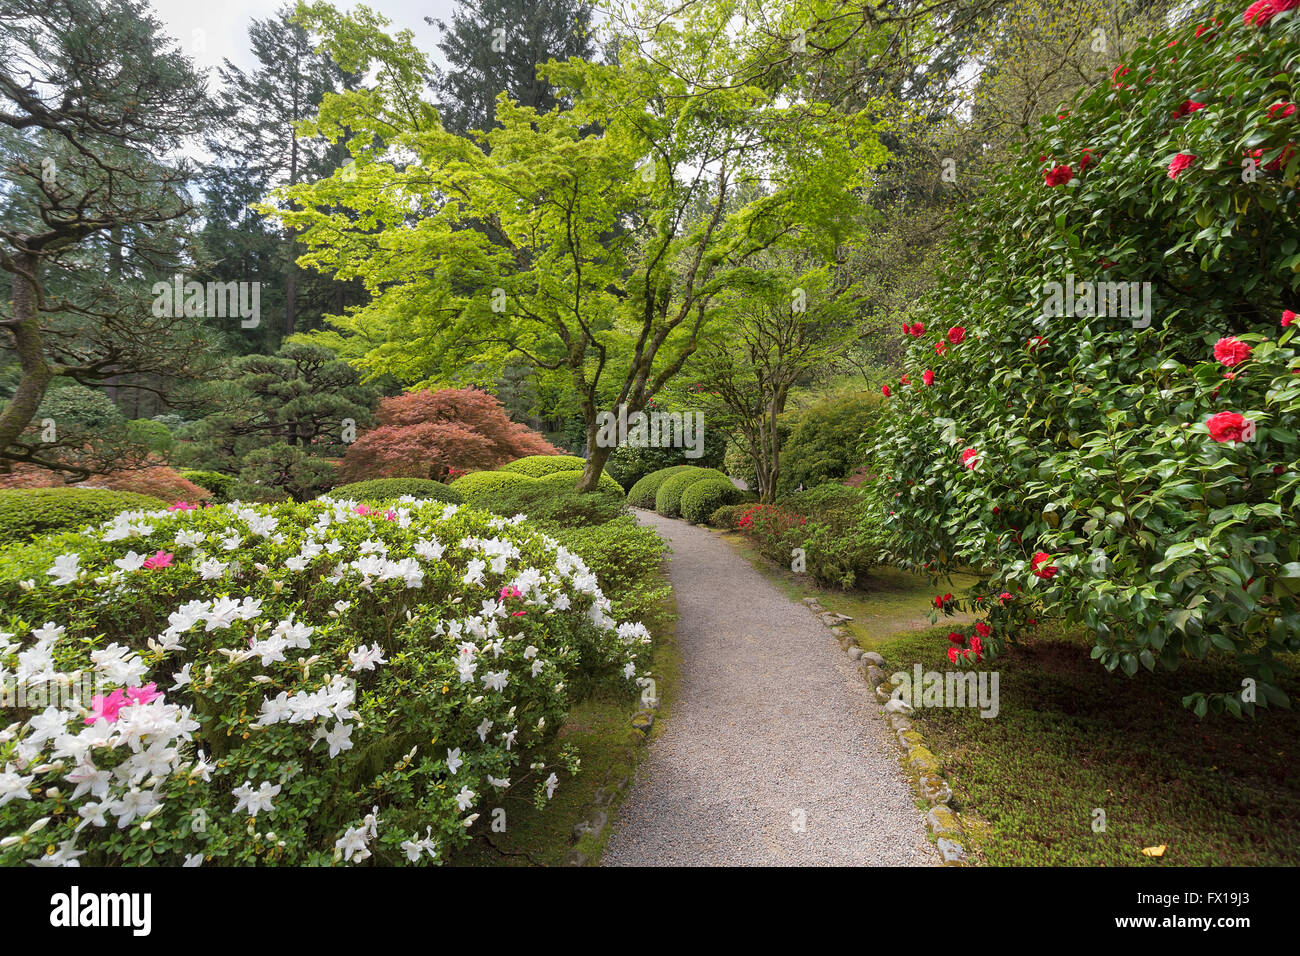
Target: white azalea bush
{"type": "Point", "coordinates": [294, 684]}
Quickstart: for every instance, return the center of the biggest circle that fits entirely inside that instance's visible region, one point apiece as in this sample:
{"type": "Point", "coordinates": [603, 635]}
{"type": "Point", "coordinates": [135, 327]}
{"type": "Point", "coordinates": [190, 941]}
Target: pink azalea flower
{"type": "Point", "coordinates": [362, 509]}
{"type": "Point", "coordinates": [182, 506]}
{"type": "Point", "coordinates": [390, 515]}
{"type": "Point", "coordinates": [106, 708]}
{"type": "Point", "coordinates": [142, 695]}
{"type": "Point", "coordinates": [160, 560]}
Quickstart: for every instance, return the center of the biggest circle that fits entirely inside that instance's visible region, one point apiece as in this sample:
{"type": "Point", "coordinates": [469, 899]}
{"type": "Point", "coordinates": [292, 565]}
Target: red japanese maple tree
{"type": "Point", "coordinates": [425, 434]}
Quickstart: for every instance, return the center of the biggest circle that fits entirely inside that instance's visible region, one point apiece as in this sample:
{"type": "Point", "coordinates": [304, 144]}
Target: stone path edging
{"type": "Point", "coordinates": [918, 760]}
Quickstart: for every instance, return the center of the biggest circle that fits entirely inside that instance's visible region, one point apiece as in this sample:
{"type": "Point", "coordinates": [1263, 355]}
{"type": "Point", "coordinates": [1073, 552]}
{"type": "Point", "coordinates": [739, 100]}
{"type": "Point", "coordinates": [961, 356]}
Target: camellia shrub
{"type": "Point", "coordinates": [1103, 415]}
{"type": "Point", "coordinates": [668, 499]}
{"type": "Point", "coordinates": [539, 466]}
{"type": "Point", "coordinates": [702, 498]}
{"type": "Point", "coordinates": [292, 684]}
{"type": "Point", "coordinates": [379, 489]}
{"type": "Point", "coordinates": [28, 512]}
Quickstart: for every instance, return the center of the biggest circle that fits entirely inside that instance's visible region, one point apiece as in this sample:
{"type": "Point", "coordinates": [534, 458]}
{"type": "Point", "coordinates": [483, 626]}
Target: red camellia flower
{"type": "Point", "coordinates": [1260, 12]}
{"type": "Point", "coordinates": [1038, 564]}
{"type": "Point", "coordinates": [977, 648]}
{"type": "Point", "coordinates": [1180, 163]}
{"type": "Point", "coordinates": [1226, 426]}
{"type": "Point", "coordinates": [953, 653]}
{"type": "Point", "coordinates": [1281, 110]}
{"type": "Point", "coordinates": [1188, 107]}
{"type": "Point", "coordinates": [1004, 596]}
{"type": "Point", "coordinates": [1058, 175]}
{"type": "Point", "coordinates": [941, 599]}
{"type": "Point", "coordinates": [884, 390]}
{"type": "Point", "coordinates": [1231, 351]}
{"type": "Point", "coordinates": [927, 377]}
{"type": "Point", "coordinates": [970, 458]}
{"type": "Point", "coordinates": [957, 637]}
{"type": "Point", "coordinates": [982, 629]}
{"type": "Point", "coordinates": [956, 334]}
{"type": "Point", "coordinates": [940, 347]}
{"type": "Point", "coordinates": [1086, 160]}
{"type": "Point", "coordinates": [1035, 343]}
{"type": "Point", "coordinates": [1287, 317]}
{"type": "Point", "coordinates": [1119, 71]}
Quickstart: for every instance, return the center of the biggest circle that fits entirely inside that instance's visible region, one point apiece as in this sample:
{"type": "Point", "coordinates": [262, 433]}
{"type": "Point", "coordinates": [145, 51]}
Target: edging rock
{"type": "Point", "coordinates": [920, 763]}
{"type": "Point", "coordinates": [596, 814]}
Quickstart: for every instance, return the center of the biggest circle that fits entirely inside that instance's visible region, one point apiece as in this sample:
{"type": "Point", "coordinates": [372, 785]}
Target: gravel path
{"type": "Point", "coordinates": [769, 718]}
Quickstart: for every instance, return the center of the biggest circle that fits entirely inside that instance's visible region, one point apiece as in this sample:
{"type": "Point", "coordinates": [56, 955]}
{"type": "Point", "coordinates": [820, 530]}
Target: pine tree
{"type": "Point", "coordinates": [493, 46]}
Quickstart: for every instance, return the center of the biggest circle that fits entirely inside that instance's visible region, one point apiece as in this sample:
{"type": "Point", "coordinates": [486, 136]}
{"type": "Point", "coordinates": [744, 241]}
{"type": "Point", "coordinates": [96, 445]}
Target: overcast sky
{"type": "Point", "coordinates": [210, 31]}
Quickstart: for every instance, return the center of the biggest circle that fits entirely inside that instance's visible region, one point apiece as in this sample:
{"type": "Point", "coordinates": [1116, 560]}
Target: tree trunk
{"type": "Point", "coordinates": [35, 372]}
{"type": "Point", "coordinates": [595, 464]}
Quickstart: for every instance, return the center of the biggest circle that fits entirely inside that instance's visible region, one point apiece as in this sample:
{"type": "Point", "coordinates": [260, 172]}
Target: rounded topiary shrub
{"type": "Point", "coordinates": [539, 466]}
{"type": "Point", "coordinates": [642, 493]}
{"type": "Point", "coordinates": [291, 684]}
{"type": "Point", "coordinates": [668, 499]}
{"type": "Point", "coordinates": [605, 484]}
{"type": "Point", "coordinates": [28, 512]}
{"type": "Point", "coordinates": [483, 483]}
{"type": "Point", "coordinates": [702, 498]}
{"type": "Point", "coordinates": [221, 487]}
{"type": "Point", "coordinates": [378, 489]}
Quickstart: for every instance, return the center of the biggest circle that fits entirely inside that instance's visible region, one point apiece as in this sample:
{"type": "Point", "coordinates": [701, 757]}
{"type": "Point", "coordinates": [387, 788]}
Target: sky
{"type": "Point", "coordinates": [210, 31]}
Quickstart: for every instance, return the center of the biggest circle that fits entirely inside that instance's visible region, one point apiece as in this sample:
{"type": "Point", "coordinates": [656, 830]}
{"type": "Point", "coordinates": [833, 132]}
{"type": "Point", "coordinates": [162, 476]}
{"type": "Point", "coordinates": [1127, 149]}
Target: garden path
{"type": "Point", "coordinates": [770, 726]}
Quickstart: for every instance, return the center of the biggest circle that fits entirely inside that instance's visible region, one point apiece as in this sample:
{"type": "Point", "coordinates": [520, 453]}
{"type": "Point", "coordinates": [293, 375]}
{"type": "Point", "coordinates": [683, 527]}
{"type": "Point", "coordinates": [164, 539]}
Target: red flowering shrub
{"type": "Point", "coordinates": [1114, 478]}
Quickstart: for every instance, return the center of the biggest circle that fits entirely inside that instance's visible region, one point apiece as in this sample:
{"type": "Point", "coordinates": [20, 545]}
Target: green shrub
{"type": "Point", "coordinates": [28, 512]}
{"type": "Point", "coordinates": [728, 516]}
{"type": "Point", "coordinates": [414, 695]}
{"type": "Point", "coordinates": [539, 466]}
{"type": "Point", "coordinates": [628, 464]}
{"type": "Point", "coordinates": [706, 496]}
{"type": "Point", "coordinates": [825, 440]}
{"type": "Point", "coordinates": [604, 484]}
{"type": "Point", "coordinates": [1097, 459]}
{"type": "Point", "coordinates": [221, 487]}
{"type": "Point", "coordinates": [554, 501]}
{"type": "Point", "coordinates": [642, 493]}
{"type": "Point", "coordinates": [378, 489]}
{"type": "Point", "coordinates": [150, 434]}
{"type": "Point", "coordinates": [483, 483]}
{"type": "Point", "coordinates": [626, 558]}
{"type": "Point", "coordinates": [668, 499]}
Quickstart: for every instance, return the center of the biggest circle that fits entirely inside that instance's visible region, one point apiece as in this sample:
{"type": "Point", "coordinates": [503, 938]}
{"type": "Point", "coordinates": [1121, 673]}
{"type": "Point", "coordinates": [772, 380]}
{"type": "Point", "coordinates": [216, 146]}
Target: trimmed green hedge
{"type": "Point", "coordinates": [26, 513]}
{"type": "Point", "coordinates": [539, 466]}
{"type": "Point", "coordinates": [642, 494]}
{"type": "Point", "coordinates": [377, 489]}
{"type": "Point", "coordinates": [553, 501]}
{"type": "Point", "coordinates": [706, 496]}
{"type": "Point", "coordinates": [668, 499]}
{"type": "Point", "coordinates": [479, 483]}
{"type": "Point", "coordinates": [221, 487]}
